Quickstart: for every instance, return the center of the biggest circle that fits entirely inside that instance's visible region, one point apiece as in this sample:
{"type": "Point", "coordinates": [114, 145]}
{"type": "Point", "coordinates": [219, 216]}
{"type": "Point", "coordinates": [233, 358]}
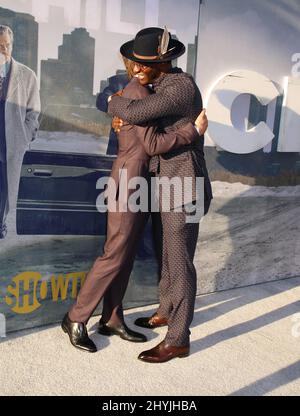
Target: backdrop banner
{"type": "Point", "coordinates": [249, 77]}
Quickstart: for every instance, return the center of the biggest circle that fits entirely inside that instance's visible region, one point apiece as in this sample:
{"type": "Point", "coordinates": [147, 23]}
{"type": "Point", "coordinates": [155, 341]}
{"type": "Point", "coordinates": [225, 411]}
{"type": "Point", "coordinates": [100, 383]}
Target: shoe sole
{"type": "Point", "coordinates": [151, 327]}
{"type": "Point", "coordinates": [165, 361]}
{"type": "Point", "coordinates": [76, 346]}
{"type": "Point", "coordinates": [184, 355]}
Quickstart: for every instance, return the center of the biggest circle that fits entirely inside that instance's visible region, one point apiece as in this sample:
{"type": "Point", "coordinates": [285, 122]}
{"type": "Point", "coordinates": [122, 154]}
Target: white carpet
{"type": "Point", "coordinates": [244, 341]}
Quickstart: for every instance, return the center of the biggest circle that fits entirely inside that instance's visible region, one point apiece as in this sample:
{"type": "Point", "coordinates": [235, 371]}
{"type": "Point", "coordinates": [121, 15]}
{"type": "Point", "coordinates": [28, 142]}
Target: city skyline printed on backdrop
{"type": "Point", "coordinates": [84, 37]}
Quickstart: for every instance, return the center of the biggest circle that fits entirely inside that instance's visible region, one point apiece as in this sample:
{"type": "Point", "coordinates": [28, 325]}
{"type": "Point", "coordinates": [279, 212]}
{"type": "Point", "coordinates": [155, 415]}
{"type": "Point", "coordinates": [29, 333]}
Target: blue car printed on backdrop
{"type": "Point", "coordinates": [57, 193]}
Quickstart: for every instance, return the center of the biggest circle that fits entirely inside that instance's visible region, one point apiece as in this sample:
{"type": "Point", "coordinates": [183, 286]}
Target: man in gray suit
{"type": "Point", "coordinates": [19, 111]}
{"type": "Point", "coordinates": [177, 100]}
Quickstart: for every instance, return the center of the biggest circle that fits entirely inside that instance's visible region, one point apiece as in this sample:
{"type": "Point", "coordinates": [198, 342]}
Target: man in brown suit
{"type": "Point", "coordinates": [109, 275]}
{"type": "Point", "coordinates": [177, 100]}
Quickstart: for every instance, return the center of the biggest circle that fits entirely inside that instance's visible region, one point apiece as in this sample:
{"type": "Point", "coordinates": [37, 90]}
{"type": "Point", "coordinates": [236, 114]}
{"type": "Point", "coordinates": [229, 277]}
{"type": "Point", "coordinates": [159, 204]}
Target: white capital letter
{"type": "Point", "coordinates": [220, 101]}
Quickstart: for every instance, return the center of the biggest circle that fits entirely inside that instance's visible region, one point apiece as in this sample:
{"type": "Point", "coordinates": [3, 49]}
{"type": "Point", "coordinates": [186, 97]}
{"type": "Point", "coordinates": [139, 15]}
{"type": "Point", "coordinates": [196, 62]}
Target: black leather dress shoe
{"type": "Point", "coordinates": [78, 334]}
{"type": "Point", "coordinates": [154, 321]}
{"type": "Point", "coordinates": [122, 330]}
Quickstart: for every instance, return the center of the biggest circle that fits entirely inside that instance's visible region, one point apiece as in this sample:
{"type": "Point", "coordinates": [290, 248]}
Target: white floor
{"type": "Point", "coordinates": [244, 341]}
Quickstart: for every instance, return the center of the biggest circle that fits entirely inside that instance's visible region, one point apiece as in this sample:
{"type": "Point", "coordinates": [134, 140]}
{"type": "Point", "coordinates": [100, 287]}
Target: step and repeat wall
{"type": "Point", "coordinates": [248, 74]}
{"type": "Point", "coordinates": [248, 70]}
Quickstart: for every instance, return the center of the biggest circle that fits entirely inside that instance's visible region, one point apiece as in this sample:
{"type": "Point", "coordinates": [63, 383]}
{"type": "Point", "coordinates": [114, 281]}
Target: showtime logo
{"type": "Point", "coordinates": [219, 108]}
{"type": "Point", "coordinates": [28, 288]}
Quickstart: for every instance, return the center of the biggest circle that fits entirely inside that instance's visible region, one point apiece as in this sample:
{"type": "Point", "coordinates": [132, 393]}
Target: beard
{"type": "Point", "coordinates": [4, 58]}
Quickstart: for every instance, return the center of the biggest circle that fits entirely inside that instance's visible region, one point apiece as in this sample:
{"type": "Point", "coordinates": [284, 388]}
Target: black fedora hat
{"type": "Point", "coordinates": [152, 45]}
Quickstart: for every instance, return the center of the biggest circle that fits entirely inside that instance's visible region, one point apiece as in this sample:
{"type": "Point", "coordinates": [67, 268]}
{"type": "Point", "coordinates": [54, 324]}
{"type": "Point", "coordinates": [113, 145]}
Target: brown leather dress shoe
{"type": "Point", "coordinates": [154, 321]}
{"type": "Point", "coordinates": [164, 352]}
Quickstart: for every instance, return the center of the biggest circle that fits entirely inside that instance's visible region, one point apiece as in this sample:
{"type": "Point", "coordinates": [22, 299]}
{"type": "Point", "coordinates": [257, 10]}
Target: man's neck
{"type": "Point", "coordinates": [163, 74]}
{"type": "Point", "coordinates": [4, 68]}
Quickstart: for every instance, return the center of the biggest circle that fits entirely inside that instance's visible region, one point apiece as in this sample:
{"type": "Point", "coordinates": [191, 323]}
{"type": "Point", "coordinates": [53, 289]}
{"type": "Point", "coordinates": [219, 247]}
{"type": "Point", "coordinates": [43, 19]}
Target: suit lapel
{"type": "Point", "coordinates": [14, 79]}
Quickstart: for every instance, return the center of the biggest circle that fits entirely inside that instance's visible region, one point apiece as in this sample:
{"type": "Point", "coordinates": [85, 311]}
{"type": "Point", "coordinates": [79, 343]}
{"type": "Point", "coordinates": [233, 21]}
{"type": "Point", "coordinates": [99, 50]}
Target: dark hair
{"type": "Point", "coordinates": [128, 65]}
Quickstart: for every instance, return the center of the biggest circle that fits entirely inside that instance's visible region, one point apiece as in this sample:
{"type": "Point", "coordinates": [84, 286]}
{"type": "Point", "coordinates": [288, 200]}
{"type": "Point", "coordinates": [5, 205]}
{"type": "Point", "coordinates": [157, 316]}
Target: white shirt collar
{"type": "Point", "coordinates": [4, 69]}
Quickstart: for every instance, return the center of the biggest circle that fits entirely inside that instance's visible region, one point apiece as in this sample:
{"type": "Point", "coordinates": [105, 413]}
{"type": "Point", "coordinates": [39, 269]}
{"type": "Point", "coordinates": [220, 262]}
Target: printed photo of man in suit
{"type": "Point", "coordinates": [19, 112]}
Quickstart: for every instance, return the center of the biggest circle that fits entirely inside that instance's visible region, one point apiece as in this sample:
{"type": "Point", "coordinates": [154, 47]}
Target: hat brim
{"type": "Point", "coordinates": [126, 50]}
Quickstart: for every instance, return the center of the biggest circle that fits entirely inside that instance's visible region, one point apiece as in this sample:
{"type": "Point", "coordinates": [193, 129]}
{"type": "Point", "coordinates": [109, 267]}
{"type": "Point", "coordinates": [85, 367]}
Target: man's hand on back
{"type": "Point", "coordinates": [202, 122]}
{"type": "Point", "coordinates": [117, 94]}
{"type": "Point", "coordinates": [117, 123]}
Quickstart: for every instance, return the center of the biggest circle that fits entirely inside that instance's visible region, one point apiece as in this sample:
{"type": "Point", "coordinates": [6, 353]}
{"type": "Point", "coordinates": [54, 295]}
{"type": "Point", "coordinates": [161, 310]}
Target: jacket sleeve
{"type": "Point", "coordinates": [102, 98]}
{"type": "Point", "coordinates": [156, 143]}
{"type": "Point", "coordinates": [116, 83]}
{"type": "Point", "coordinates": [174, 100]}
{"type": "Point", "coordinates": [33, 107]}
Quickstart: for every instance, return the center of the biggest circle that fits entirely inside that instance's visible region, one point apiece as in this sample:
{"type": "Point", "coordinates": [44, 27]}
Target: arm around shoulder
{"type": "Point", "coordinates": [156, 143]}
{"type": "Point", "coordinates": [169, 102]}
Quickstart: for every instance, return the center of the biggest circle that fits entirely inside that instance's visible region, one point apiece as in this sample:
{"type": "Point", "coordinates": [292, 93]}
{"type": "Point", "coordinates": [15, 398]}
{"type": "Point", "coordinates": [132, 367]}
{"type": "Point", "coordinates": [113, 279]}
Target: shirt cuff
{"type": "Point", "coordinates": [198, 130]}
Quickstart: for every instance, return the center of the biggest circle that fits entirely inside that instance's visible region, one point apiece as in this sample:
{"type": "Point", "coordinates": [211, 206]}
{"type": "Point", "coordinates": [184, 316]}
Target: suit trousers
{"type": "Point", "coordinates": [178, 283]}
{"type": "Point", "coordinates": [109, 275]}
